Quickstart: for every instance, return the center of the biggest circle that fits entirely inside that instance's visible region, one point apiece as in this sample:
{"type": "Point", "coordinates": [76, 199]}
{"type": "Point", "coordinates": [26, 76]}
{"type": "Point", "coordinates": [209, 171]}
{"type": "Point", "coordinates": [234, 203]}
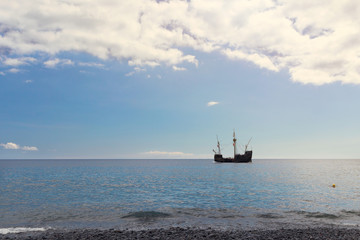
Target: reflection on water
{"type": "Point", "coordinates": [133, 193]}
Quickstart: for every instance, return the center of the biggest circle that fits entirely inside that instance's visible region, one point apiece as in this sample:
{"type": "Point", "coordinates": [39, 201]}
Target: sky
{"type": "Point", "coordinates": [162, 79]}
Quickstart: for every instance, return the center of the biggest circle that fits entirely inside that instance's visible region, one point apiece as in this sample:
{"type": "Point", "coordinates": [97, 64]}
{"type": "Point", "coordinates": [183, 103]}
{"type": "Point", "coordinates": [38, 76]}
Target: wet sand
{"type": "Point", "coordinates": [191, 233]}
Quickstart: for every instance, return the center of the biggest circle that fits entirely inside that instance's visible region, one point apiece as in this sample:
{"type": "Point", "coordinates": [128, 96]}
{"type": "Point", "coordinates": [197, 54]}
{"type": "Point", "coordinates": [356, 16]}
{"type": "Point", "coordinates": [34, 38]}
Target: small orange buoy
{"type": "Point", "coordinates": [333, 186]}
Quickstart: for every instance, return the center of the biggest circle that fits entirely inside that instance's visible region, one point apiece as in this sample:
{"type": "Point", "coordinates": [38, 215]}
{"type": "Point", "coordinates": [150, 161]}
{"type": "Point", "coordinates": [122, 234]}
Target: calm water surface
{"type": "Point", "coordinates": [160, 193]}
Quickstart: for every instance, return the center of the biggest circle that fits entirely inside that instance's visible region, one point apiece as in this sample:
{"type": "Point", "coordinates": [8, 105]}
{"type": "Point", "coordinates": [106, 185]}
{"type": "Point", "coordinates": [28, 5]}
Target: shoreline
{"type": "Point", "coordinates": [191, 233]}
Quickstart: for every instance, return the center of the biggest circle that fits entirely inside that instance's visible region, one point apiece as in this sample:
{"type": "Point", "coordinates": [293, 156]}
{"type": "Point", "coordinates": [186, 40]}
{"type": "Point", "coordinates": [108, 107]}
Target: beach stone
{"type": "Point", "coordinates": [188, 233]}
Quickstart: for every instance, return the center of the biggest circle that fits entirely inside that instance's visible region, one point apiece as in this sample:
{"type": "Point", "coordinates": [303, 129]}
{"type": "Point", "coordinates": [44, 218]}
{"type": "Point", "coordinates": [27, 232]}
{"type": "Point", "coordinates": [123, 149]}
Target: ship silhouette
{"type": "Point", "coordinates": [238, 158]}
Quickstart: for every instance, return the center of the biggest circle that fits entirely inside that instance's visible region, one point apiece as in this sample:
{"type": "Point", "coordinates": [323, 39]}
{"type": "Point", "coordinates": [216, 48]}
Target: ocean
{"type": "Point", "coordinates": [149, 193]}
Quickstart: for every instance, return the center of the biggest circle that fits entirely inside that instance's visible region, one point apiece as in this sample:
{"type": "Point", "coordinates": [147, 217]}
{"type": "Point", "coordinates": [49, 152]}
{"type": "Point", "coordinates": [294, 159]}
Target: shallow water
{"type": "Point", "coordinates": [141, 194]}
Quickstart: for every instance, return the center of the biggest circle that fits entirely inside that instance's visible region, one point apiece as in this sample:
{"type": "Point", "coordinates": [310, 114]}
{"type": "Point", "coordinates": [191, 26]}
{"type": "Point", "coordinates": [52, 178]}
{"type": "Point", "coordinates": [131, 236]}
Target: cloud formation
{"type": "Point", "coordinates": [168, 153]}
{"type": "Point", "coordinates": [18, 61]}
{"type": "Point", "coordinates": [316, 41]}
{"type": "Point", "coordinates": [175, 68]}
{"type": "Point", "coordinates": [212, 103]}
{"type": "Point", "coordinates": [27, 148]}
{"type": "Point", "coordinates": [91, 64]}
{"type": "Point", "coordinates": [10, 145]}
{"type": "Point", "coordinates": [14, 70]}
{"type": "Point", "coordinates": [56, 61]}
{"type": "Point", "coordinates": [14, 146]}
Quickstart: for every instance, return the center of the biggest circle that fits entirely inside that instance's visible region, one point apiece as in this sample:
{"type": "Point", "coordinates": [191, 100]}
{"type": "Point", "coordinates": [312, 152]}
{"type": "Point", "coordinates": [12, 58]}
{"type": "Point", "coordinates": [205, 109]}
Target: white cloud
{"type": "Point", "coordinates": [10, 145]}
{"type": "Point", "coordinates": [209, 104]}
{"type": "Point", "coordinates": [316, 41]}
{"type": "Point", "coordinates": [91, 64]}
{"type": "Point", "coordinates": [18, 61]}
{"type": "Point", "coordinates": [261, 60]}
{"type": "Point", "coordinates": [2, 73]}
{"type": "Point", "coordinates": [161, 153]}
{"type": "Point", "coordinates": [175, 68]}
{"type": "Point", "coordinates": [28, 81]}
{"type": "Point", "coordinates": [139, 69]}
{"type": "Point", "coordinates": [27, 148]}
{"type": "Point", "coordinates": [129, 74]}
{"type": "Point", "coordinates": [14, 70]}
{"type": "Point", "coordinates": [52, 63]}
{"type": "Point", "coordinates": [14, 146]}
{"type": "Point", "coordinates": [136, 70]}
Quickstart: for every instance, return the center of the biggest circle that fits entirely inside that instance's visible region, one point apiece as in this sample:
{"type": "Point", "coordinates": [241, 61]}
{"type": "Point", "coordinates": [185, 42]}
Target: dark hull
{"type": "Point", "coordinates": [239, 158]}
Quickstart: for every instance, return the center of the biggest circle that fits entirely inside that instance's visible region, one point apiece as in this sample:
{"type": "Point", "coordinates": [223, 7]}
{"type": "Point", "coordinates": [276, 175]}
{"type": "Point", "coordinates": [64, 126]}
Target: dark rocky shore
{"type": "Point", "coordinates": [191, 233]}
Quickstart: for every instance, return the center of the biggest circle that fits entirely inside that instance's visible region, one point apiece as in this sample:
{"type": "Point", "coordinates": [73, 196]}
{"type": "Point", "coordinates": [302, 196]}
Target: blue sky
{"type": "Point", "coordinates": [78, 83]}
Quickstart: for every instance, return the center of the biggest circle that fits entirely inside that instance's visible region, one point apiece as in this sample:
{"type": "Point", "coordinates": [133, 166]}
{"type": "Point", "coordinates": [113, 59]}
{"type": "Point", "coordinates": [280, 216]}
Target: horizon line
{"type": "Point", "coordinates": [173, 159]}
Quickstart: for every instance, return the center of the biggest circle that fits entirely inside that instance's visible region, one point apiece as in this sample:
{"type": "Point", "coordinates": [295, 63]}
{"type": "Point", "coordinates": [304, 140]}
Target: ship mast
{"type": "Point", "coordinates": [234, 140]}
{"type": "Point", "coordinates": [246, 146]}
{"type": "Point", "coordinates": [218, 145]}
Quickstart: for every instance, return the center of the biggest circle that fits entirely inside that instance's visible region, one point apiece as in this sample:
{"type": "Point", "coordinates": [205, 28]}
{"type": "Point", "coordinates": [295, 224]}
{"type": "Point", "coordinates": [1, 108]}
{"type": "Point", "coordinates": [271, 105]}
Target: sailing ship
{"type": "Point", "coordinates": [238, 158]}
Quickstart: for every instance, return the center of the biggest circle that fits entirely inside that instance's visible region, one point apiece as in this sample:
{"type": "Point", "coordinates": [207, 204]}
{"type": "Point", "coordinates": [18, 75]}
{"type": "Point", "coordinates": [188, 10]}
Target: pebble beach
{"type": "Point", "coordinates": [191, 233]}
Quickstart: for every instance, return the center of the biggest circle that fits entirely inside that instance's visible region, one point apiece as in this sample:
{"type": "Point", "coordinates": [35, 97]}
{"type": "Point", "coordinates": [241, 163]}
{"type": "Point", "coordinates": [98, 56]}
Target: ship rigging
{"type": "Point", "coordinates": [238, 158]}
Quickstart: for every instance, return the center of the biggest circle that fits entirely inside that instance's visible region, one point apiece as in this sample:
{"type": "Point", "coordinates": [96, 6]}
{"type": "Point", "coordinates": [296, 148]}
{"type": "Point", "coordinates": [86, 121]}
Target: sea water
{"type": "Point", "coordinates": [141, 194]}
